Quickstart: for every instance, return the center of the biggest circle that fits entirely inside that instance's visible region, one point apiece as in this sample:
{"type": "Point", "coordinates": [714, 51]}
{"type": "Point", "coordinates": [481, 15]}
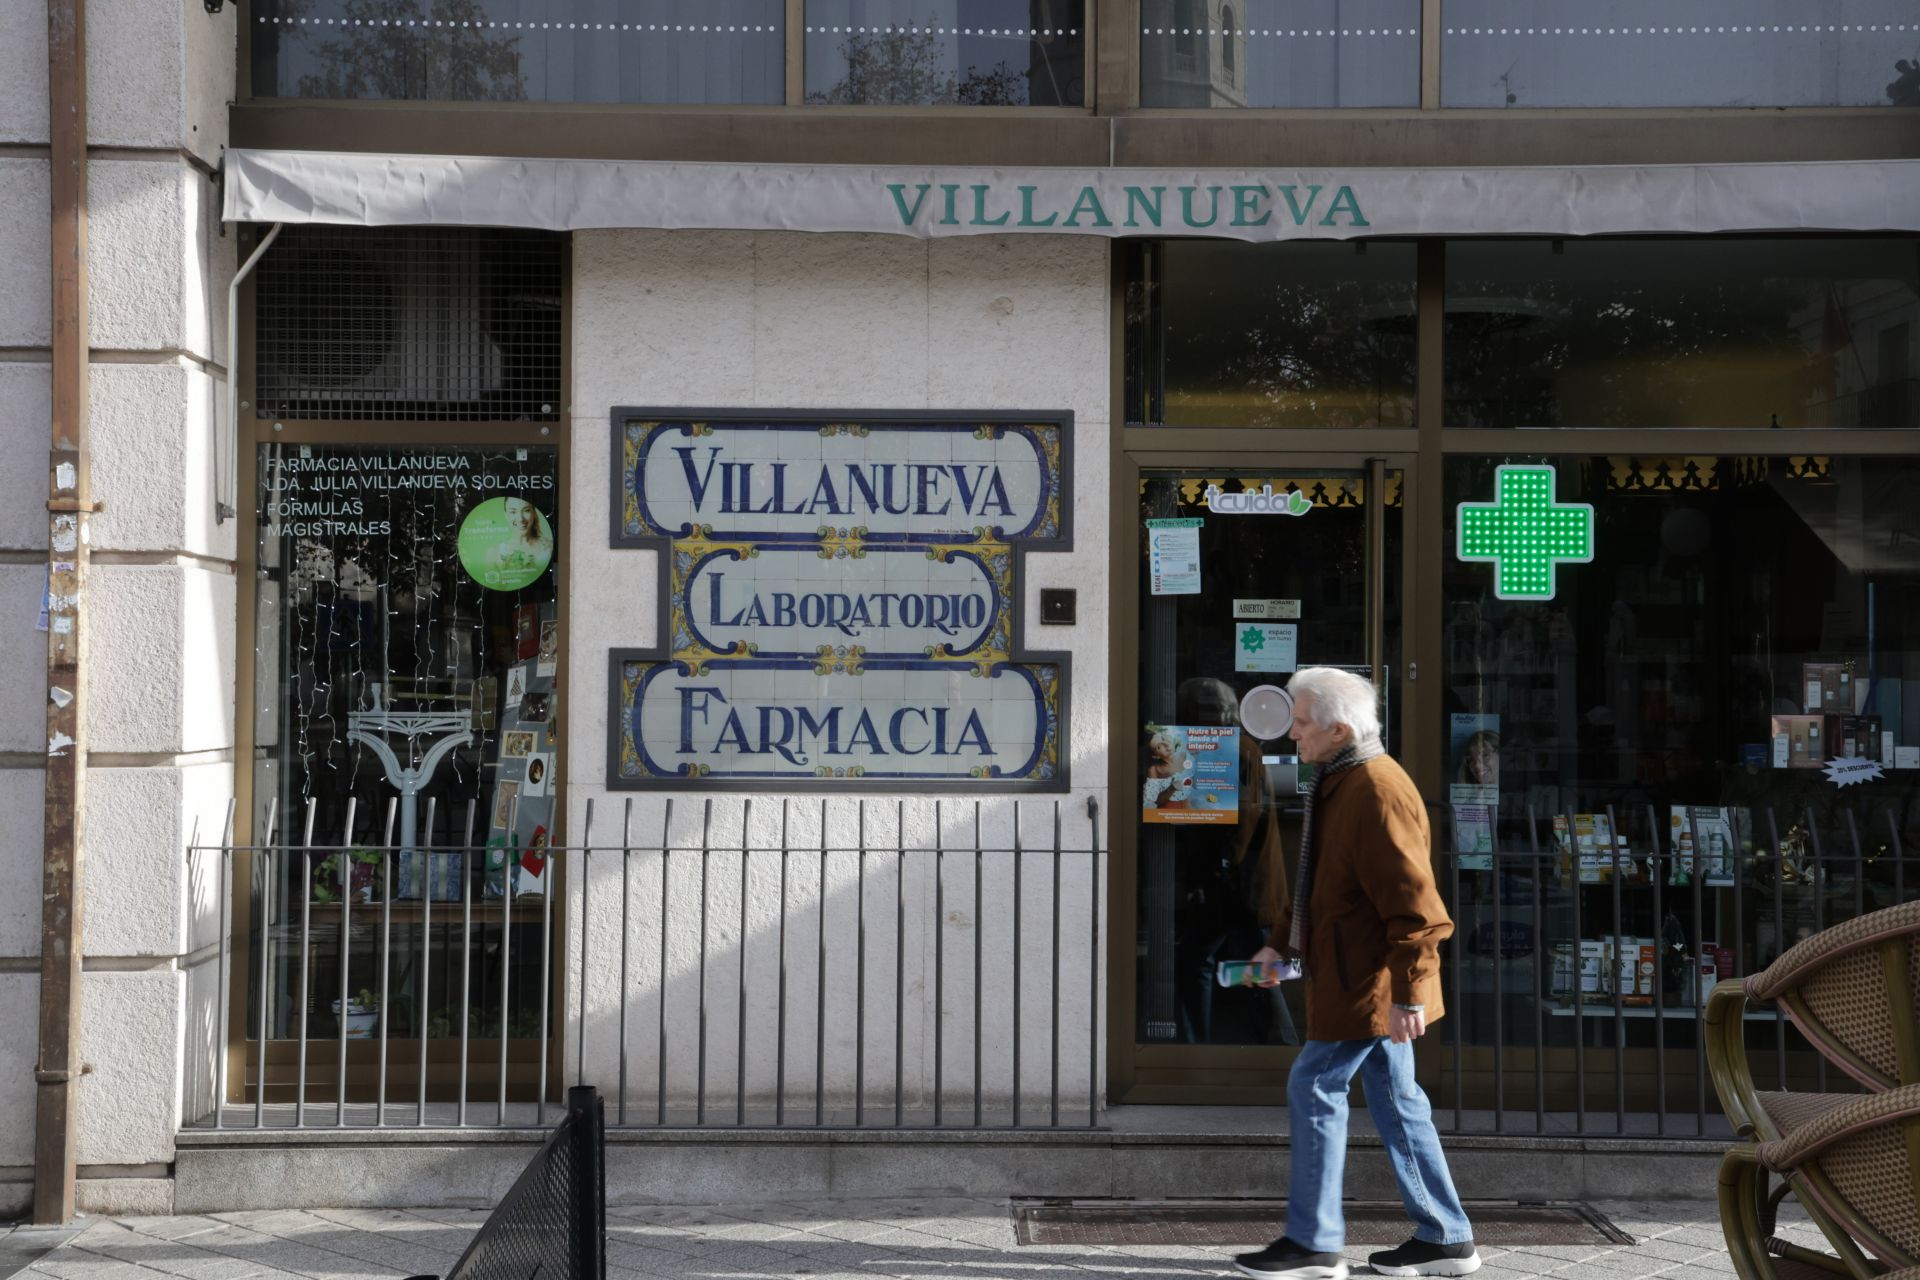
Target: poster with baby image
{"type": "Point", "coordinates": [1193, 774]}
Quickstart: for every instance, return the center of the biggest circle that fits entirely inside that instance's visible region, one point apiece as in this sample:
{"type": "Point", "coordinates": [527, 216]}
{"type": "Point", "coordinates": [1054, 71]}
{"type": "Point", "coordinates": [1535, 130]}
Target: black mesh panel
{"type": "Point", "coordinates": [553, 1223]}
{"type": "Point", "coordinates": [409, 324]}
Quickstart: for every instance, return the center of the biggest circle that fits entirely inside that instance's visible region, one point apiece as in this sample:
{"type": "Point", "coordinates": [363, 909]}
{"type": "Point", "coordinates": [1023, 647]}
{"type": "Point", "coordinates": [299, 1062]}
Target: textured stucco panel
{"type": "Point", "coordinates": [1019, 322]}
{"type": "Point", "coordinates": [23, 683]}
{"type": "Point", "coordinates": [139, 821]}
{"type": "Point", "coordinates": [161, 666]}
{"type": "Point", "coordinates": [23, 800]}
{"type": "Point", "coordinates": [673, 316]}
{"type": "Point", "coordinates": [130, 1037]}
{"type": "Point", "coordinates": [153, 460]}
{"type": "Point", "coordinates": [26, 417]}
{"type": "Point", "coordinates": [155, 262]}
{"type": "Point", "coordinates": [23, 71]}
{"type": "Point", "coordinates": [159, 74]}
{"type": "Point", "coordinates": [841, 320]}
{"type": "Point", "coordinates": [135, 77]}
{"type": "Point", "coordinates": [19, 1007]}
{"type": "Point", "coordinates": [26, 268]}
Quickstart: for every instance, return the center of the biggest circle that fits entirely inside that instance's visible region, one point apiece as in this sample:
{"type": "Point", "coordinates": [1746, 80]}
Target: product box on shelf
{"type": "Point", "coordinates": [1856, 737]}
{"type": "Point", "coordinates": [1806, 747]}
{"type": "Point", "coordinates": [1829, 688]}
{"type": "Point", "coordinates": [1704, 841]}
{"type": "Point", "coordinates": [1589, 853]}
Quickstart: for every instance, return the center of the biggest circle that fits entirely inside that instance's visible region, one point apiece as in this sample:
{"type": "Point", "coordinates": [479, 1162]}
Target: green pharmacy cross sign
{"type": "Point", "coordinates": [1525, 533]}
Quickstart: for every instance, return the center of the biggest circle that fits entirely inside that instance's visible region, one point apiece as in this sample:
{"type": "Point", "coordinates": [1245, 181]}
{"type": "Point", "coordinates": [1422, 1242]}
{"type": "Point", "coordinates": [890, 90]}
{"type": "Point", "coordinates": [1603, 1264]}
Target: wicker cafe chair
{"type": "Point", "coordinates": [1854, 993]}
{"type": "Point", "coordinates": [1857, 1168]}
{"type": "Point", "coordinates": [1851, 990]}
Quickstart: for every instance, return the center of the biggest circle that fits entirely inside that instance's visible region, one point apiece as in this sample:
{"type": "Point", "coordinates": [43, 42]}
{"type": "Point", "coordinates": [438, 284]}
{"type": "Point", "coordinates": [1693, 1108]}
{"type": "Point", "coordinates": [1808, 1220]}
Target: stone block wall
{"type": "Point", "coordinates": [160, 673]}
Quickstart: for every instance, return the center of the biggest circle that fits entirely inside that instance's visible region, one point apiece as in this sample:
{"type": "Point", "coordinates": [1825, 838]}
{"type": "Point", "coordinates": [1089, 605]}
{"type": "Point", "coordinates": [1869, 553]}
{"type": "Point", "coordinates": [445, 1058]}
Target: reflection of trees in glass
{"type": "Point", "coordinates": [389, 49]}
{"type": "Point", "coordinates": [901, 67]}
{"type": "Point", "coordinates": [1335, 354]}
{"type": "Point", "coordinates": [1905, 89]}
{"type": "Point", "coordinates": [1699, 352]}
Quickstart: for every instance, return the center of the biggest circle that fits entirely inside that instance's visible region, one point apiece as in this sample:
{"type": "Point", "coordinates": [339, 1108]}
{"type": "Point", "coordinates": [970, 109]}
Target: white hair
{"type": "Point", "coordinates": [1339, 697]}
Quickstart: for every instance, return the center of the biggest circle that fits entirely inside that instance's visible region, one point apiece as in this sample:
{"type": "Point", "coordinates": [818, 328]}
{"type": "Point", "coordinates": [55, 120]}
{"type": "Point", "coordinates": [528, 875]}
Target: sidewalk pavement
{"type": "Point", "coordinates": [971, 1239]}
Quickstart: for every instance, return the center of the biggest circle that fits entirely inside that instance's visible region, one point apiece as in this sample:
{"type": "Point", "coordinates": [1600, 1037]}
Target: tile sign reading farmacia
{"type": "Point", "coordinates": [841, 600]}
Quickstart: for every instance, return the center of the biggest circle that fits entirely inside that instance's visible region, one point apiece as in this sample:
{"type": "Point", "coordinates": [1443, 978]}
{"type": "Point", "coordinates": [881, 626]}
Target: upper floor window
{"type": "Point", "coordinates": [660, 51]}
{"type": "Point", "coordinates": [975, 53]}
{"type": "Point", "coordinates": [1704, 332]}
{"type": "Point", "coordinates": [1680, 53]}
{"type": "Point", "coordinates": [1296, 334]}
{"type": "Point", "coordinates": [1280, 53]}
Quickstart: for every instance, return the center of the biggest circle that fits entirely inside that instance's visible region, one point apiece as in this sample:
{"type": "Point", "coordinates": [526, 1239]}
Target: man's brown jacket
{"type": "Point", "coordinates": [1375, 921]}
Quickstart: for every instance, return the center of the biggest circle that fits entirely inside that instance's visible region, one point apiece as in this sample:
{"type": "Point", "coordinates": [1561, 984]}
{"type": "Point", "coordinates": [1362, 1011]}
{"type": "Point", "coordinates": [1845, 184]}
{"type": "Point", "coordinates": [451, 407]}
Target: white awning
{"type": "Point", "coordinates": [373, 190]}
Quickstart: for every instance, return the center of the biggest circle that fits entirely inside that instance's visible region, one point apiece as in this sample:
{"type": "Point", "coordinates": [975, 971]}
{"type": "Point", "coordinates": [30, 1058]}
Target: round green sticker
{"type": "Point", "coordinates": [505, 543]}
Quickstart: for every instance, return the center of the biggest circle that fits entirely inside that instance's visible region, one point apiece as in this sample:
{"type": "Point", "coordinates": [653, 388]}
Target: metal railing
{"type": "Point", "coordinates": [1513, 1007]}
{"type": "Point", "coordinates": [698, 924]}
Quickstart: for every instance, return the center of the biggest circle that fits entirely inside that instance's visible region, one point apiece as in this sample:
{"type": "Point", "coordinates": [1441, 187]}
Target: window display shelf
{"type": "Point", "coordinates": [1689, 1012]}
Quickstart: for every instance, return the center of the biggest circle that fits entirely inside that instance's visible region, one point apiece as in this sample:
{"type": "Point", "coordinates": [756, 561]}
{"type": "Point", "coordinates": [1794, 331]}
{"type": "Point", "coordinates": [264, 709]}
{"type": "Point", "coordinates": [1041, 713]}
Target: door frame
{"type": "Point", "coordinates": [1222, 1074]}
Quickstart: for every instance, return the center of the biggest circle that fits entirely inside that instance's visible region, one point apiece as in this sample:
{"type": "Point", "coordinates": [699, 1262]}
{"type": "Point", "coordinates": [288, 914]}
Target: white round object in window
{"type": "Point", "coordinates": [1267, 712]}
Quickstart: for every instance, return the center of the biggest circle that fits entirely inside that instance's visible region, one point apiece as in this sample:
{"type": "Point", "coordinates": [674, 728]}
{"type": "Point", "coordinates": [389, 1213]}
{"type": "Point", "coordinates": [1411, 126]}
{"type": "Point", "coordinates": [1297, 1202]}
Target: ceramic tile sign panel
{"type": "Point", "coordinates": [520, 825]}
{"type": "Point", "coordinates": [841, 600]}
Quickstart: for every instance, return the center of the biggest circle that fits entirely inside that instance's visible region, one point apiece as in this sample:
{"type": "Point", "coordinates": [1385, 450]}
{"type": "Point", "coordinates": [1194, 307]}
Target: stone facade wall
{"type": "Point", "coordinates": [160, 672]}
{"type": "Point", "coordinates": [794, 320]}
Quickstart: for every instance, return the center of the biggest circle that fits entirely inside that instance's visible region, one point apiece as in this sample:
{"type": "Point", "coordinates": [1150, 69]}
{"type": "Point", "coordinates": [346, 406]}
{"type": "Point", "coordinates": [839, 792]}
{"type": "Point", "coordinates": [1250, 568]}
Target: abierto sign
{"type": "Point", "coordinates": [840, 597]}
{"type": "Point", "coordinates": [376, 190]}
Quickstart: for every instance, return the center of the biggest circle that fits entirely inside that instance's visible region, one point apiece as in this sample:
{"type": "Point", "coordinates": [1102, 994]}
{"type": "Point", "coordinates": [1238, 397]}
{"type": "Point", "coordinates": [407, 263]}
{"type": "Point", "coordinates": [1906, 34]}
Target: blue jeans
{"type": "Point", "coordinates": [1317, 1103]}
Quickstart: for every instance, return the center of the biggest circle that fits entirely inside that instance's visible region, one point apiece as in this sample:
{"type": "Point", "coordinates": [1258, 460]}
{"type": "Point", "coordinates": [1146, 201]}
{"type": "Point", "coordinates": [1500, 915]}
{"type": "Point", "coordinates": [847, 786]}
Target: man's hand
{"type": "Point", "coordinates": [1404, 1025]}
{"type": "Point", "coordinates": [1267, 955]}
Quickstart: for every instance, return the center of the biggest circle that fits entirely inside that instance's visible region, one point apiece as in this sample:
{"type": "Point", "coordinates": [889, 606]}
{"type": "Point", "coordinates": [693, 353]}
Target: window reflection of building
{"type": "Point", "coordinates": [1197, 65]}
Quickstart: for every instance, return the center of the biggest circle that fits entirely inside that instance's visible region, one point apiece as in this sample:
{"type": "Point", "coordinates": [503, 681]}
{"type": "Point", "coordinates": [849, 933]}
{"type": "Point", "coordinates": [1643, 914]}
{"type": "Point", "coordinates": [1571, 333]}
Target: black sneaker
{"type": "Point", "coordinates": [1418, 1258]}
{"type": "Point", "coordinates": [1286, 1259]}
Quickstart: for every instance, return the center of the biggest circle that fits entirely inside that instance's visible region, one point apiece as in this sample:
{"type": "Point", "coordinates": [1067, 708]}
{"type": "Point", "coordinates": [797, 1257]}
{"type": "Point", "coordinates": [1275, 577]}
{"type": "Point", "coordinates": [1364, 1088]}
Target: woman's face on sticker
{"type": "Point", "coordinates": [520, 515]}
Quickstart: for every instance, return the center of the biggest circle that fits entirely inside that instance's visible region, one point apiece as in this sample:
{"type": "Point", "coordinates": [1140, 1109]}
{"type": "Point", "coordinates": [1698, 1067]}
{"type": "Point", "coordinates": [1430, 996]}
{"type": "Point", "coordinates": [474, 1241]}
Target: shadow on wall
{"type": "Point", "coordinates": [804, 980]}
{"type": "Point", "coordinates": [957, 954]}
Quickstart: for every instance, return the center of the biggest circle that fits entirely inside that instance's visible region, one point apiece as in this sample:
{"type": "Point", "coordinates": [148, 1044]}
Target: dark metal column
{"type": "Point", "coordinates": [57, 1071]}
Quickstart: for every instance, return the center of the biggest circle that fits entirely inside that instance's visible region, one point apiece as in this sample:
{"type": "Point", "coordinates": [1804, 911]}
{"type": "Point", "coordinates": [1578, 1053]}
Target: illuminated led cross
{"type": "Point", "coordinates": [1525, 533]}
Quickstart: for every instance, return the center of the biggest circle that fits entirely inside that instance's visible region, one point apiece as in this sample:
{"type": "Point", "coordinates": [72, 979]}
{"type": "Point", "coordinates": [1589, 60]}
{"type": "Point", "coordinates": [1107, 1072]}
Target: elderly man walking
{"type": "Point", "coordinates": [1367, 923]}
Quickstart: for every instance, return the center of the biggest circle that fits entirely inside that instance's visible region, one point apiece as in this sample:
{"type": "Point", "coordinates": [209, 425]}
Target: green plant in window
{"type": "Point", "coordinates": [365, 870]}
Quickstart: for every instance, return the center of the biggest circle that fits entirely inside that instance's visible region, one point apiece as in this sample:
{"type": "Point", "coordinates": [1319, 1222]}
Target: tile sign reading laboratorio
{"type": "Point", "coordinates": [840, 600]}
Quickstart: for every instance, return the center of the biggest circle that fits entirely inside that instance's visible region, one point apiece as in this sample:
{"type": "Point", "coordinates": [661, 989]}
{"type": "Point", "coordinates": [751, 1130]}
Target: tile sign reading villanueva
{"type": "Point", "coordinates": [841, 600]}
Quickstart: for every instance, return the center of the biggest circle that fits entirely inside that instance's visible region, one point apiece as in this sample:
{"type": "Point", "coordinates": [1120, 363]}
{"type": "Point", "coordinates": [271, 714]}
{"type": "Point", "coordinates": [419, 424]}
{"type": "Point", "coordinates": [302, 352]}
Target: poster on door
{"type": "Point", "coordinates": [1193, 775]}
{"type": "Point", "coordinates": [1173, 557]}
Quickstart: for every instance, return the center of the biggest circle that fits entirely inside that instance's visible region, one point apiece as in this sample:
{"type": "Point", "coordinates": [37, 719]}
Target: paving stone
{"type": "Point", "coordinates": [935, 1238]}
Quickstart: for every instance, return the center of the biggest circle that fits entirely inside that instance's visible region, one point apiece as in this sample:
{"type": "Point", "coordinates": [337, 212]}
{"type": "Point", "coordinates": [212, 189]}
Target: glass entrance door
{"type": "Point", "coordinates": [1246, 574]}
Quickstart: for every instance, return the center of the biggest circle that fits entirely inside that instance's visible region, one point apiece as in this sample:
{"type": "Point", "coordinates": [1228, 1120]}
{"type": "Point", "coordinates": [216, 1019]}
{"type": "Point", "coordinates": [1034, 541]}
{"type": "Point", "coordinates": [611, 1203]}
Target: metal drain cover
{"type": "Point", "coordinates": [1204, 1223]}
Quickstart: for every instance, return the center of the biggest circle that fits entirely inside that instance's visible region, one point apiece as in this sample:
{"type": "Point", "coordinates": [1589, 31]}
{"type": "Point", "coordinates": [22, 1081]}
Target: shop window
{"type": "Point", "coordinates": [661, 51]}
{"type": "Point", "coordinates": [420, 325]}
{"type": "Point", "coordinates": [1809, 332]}
{"type": "Point", "coordinates": [1653, 53]}
{"type": "Point", "coordinates": [406, 694]}
{"type": "Point", "coordinates": [1703, 747]}
{"type": "Point", "coordinates": [979, 53]}
{"type": "Point", "coordinates": [1321, 53]}
{"type": "Point", "coordinates": [1295, 334]}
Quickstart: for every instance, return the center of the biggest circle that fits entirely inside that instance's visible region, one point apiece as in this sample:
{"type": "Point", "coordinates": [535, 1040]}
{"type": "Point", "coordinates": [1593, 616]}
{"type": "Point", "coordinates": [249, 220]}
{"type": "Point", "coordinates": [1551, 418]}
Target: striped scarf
{"type": "Point", "coordinates": [1346, 758]}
